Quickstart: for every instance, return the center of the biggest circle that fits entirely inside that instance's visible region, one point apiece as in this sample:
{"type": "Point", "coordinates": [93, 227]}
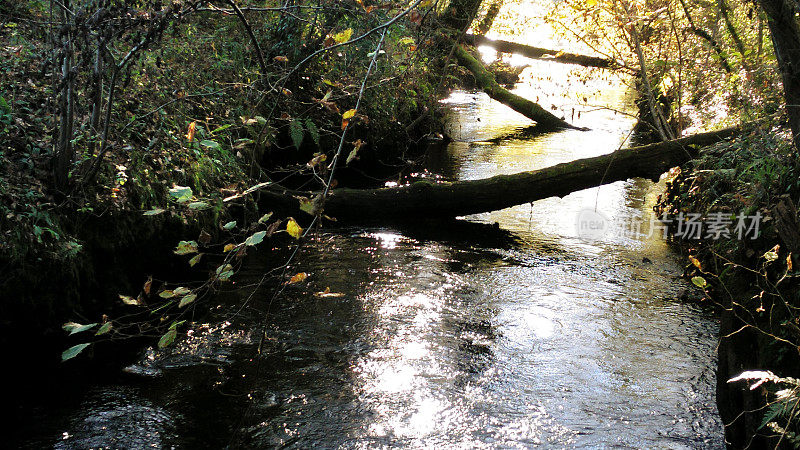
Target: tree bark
{"type": "Point", "coordinates": [488, 84]}
{"type": "Point", "coordinates": [785, 34]}
{"type": "Point", "coordinates": [541, 53]}
{"type": "Point", "coordinates": [424, 199]}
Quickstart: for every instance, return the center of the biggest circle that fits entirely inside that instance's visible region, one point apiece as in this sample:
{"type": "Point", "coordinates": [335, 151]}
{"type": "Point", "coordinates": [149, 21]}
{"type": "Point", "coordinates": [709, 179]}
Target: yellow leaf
{"type": "Point", "coordinates": [293, 229]}
{"type": "Point", "coordinates": [298, 278]}
{"type": "Point", "coordinates": [343, 36]}
{"type": "Point", "coordinates": [695, 262]}
{"type": "Point", "coordinates": [281, 59]}
{"type": "Point", "coordinates": [349, 114]}
{"type": "Point", "coordinates": [229, 247]}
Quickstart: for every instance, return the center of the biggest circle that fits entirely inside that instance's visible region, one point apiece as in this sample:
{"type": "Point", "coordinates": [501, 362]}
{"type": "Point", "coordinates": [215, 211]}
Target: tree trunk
{"type": "Point", "coordinates": [541, 53]}
{"type": "Point", "coordinates": [488, 84]}
{"type": "Point", "coordinates": [786, 41]}
{"type": "Point", "coordinates": [424, 199]}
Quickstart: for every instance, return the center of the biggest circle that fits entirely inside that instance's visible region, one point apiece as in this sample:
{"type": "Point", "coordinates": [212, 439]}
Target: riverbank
{"type": "Point", "coordinates": [743, 192]}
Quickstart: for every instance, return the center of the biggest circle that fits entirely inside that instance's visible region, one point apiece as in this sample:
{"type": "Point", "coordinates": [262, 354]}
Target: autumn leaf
{"type": "Point", "coordinates": [343, 36]}
{"type": "Point", "coordinates": [293, 228]}
{"type": "Point", "coordinates": [191, 132]}
{"type": "Point", "coordinates": [298, 278]}
{"type": "Point", "coordinates": [349, 114]}
{"type": "Point", "coordinates": [281, 58]}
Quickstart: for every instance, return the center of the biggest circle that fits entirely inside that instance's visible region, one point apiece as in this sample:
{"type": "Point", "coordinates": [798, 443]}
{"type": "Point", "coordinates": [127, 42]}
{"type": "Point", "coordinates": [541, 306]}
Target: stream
{"type": "Point", "coordinates": [503, 330]}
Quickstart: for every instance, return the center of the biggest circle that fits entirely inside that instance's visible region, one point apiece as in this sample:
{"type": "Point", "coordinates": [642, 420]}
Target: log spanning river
{"type": "Point", "coordinates": [507, 330]}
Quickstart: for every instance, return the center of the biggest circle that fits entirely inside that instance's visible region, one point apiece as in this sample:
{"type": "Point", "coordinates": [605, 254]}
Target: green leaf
{"type": "Point", "coordinates": [352, 155]}
{"type": "Point", "coordinates": [225, 276]}
{"type": "Point", "coordinates": [209, 144]}
{"type": "Point", "coordinates": [104, 329]}
{"type": "Point", "coordinates": [153, 212]}
{"type": "Point", "coordinates": [181, 193]}
{"type": "Point", "coordinates": [185, 248]}
{"type": "Point", "coordinates": [265, 218]}
{"type": "Point", "coordinates": [307, 206]}
{"type": "Point", "coordinates": [199, 205]}
{"type": "Point", "coordinates": [256, 238]}
{"type": "Point", "coordinates": [195, 259]}
{"type": "Point", "coordinates": [296, 130]}
{"type": "Point", "coordinates": [313, 131]}
{"type": "Point", "coordinates": [699, 282]}
{"type": "Point", "coordinates": [73, 327]}
{"type": "Point", "coordinates": [181, 290]}
{"type": "Point", "coordinates": [73, 351]}
{"type": "Point", "coordinates": [222, 128]}
{"type": "Point", "coordinates": [224, 272]}
{"type": "Point", "coordinates": [229, 226]}
{"type": "Point", "coordinates": [186, 300]}
{"type": "Point", "coordinates": [168, 338]}
{"type": "Point", "coordinates": [166, 294]}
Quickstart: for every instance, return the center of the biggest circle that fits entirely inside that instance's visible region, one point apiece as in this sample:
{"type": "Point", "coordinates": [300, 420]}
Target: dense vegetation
{"type": "Point", "coordinates": [126, 121]}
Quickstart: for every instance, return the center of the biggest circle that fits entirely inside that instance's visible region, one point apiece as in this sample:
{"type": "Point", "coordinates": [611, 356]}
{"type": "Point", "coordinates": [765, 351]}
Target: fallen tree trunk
{"type": "Point", "coordinates": [485, 80]}
{"type": "Point", "coordinates": [460, 198]}
{"type": "Point", "coordinates": [541, 53]}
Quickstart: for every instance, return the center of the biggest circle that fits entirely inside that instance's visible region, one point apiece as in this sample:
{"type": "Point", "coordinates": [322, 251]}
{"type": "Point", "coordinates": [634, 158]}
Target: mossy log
{"type": "Point", "coordinates": [541, 53]}
{"type": "Point", "coordinates": [460, 198]}
{"type": "Point", "coordinates": [486, 81]}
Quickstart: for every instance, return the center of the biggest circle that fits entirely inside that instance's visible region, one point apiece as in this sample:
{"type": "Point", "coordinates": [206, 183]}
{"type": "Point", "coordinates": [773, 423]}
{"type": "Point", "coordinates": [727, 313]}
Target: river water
{"type": "Point", "coordinates": [503, 330]}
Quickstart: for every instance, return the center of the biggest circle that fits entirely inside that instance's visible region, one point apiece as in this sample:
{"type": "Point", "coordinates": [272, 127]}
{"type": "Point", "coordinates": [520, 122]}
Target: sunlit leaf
{"type": "Point", "coordinates": [256, 238]}
{"type": "Point", "coordinates": [181, 193]}
{"type": "Point", "coordinates": [166, 293]}
{"type": "Point", "coordinates": [699, 282]}
{"type": "Point", "coordinates": [195, 259]}
{"type": "Point", "coordinates": [343, 36]}
{"type": "Point", "coordinates": [294, 229]}
{"type": "Point", "coordinates": [104, 329]}
{"type": "Point", "coordinates": [352, 155]}
{"type": "Point", "coordinates": [185, 248]}
{"type": "Point", "coordinates": [298, 278]}
{"type": "Point", "coordinates": [128, 300]}
{"type": "Point", "coordinates": [229, 226]}
{"type": "Point", "coordinates": [168, 338]}
{"type": "Point", "coordinates": [696, 262]}
{"type": "Point", "coordinates": [265, 218]}
{"type": "Point", "coordinates": [199, 205]}
{"type": "Point", "coordinates": [153, 212]}
{"type": "Point", "coordinates": [73, 327]}
{"type": "Point", "coordinates": [229, 247]}
{"type": "Point", "coordinates": [181, 291]}
{"type": "Point", "coordinates": [73, 351]}
{"type": "Point", "coordinates": [349, 114]}
{"type": "Point", "coordinates": [224, 272]}
{"type": "Point", "coordinates": [186, 300]}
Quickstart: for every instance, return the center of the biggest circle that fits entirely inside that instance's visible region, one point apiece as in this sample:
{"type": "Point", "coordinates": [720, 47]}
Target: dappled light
{"type": "Point", "coordinates": [416, 224]}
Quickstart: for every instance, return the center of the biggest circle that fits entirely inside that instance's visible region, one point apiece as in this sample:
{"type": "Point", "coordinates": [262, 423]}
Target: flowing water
{"type": "Point", "coordinates": [504, 329]}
